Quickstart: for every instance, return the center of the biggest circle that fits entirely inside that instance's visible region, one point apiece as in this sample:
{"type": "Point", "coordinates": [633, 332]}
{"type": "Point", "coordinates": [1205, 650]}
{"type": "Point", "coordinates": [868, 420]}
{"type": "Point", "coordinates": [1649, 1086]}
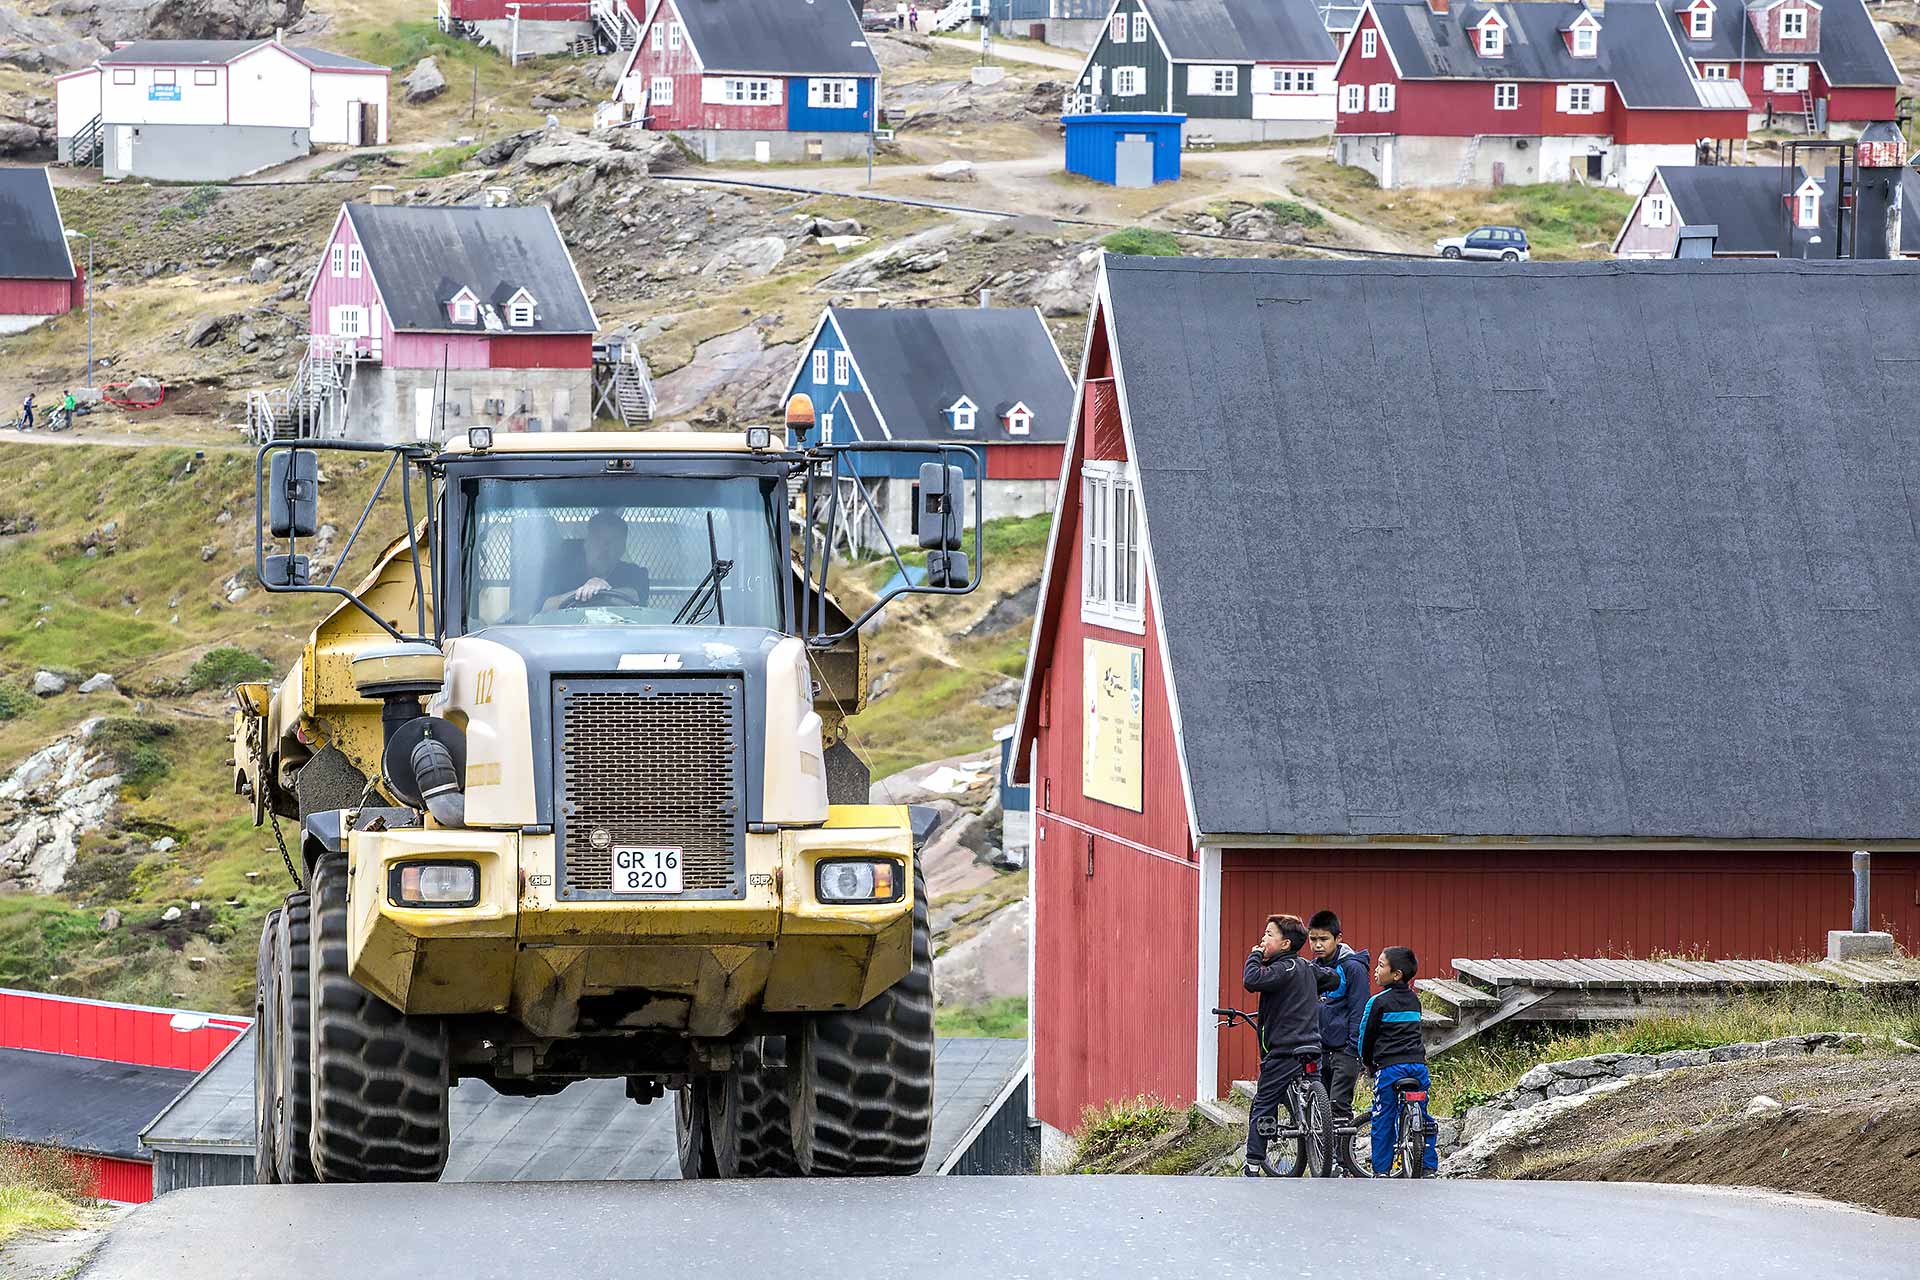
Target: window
{"type": "Point", "coordinates": [1369, 43]}
{"type": "Point", "coordinates": [1226, 81]}
{"type": "Point", "coordinates": [1383, 97]}
{"type": "Point", "coordinates": [826, 428]}
{"type": "Point", "coordinates": [1713, 71]}
{"type": "Point", "coordinates": [1493, 41]}
{"type": "Point", "coordinates": [1353, 97]}
{"type": "Point", "coordinates": [163, 75]}
{"type": "Point", "coordinates": [123, 75]}
{"type": "Point", "coordinates": [1700, 23]}
{"type": "Point", "coordinates": [354, 259]}
{"type": "Point", "coordinates": [464, 310]}
{"type": "Point", "coordinates": [820, 368]}
{"type": "Point", "coordinates": [1793, 24]}
{"type": "Point", "coordinates": [349, 322]}
{"type": "Point", "coordinates": [1786, 76]}
{"type": "Point", "coordinates": [1295, 80]}
{"type": "Point", "coordinates": [842, 368]}
{"type": "Point", "coordinates": [1110, 587]}
{"type": "Point", "coordinates": [675, 34]}
{"type": "Point", "coordinates": [1019, 420]}
{"type": "Point", "coordinates": [520, 310]}
{"type": "Point", "coordinates": [1506, 97]}
{"type": "Point", "coordinates": [1807, 214]}
{"type": "Point", "coordinates": [1586, 42]}
{"type": "Point", "coordinates": [206, 76]}
{"type": "Point", "coordinates": [337, 261]}
{"type": "Point", "coordinates": [1127, 82]}
{"type": "Point", "coordinates": [1140, 28]}
{"type": "Point", "coordinates": [1657, 212]}
{"type": "Point", "coordinates": [962, 414]}
{"type": "Point", "coordinates": [1213, 82]}
{"type": "Point", "coordinates": [660, 91]}
{"type": "Point", "coordinates": [746, 91]}
{"type": "Point", "coordinates": [1119, 28]}
{"type": "Point", "coordinates": [657, 35]}
{"type": "Point", "coordinates": [1581, 99]}
{"type": "Point", "coordinates": [833, 94]}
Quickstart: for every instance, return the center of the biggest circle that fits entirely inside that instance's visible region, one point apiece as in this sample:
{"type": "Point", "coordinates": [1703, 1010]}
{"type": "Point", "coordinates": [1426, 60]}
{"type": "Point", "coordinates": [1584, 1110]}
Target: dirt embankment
{"type": "Point", "coordinates": [1847, 1128]}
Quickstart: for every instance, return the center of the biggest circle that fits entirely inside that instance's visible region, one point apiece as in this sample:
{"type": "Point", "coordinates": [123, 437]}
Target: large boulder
{"type": "Point", "coordinates": [954, 171]}
{"type": "Point", "coordinates": [424, 82]}
{"type": "Point", "coordinates": [755, 255]}
{"type": "Point", "coordinates": [218, 19]}
{"type": "Point", "coordinates": [17, 136]}
{"type": "Point", "coordinates": [558, 147]}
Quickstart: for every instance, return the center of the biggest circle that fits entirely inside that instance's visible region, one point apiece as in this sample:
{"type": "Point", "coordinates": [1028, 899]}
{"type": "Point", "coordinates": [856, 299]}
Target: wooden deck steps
{"type": "Point", "coordinates": [1457, 994]}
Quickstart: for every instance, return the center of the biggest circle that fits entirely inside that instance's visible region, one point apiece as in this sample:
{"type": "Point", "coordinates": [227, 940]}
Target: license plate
{"type": "Point", "coordinates": [646, 869]}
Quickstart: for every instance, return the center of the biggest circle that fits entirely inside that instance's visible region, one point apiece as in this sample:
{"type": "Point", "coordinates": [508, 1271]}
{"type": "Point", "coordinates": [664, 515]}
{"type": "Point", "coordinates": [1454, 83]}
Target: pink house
{"type": "Point", "coordinates": [426, 320]}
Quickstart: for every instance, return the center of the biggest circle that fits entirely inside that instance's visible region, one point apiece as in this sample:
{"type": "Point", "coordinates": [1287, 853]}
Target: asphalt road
{"type": "Point", "coordinates": [999, 1229]}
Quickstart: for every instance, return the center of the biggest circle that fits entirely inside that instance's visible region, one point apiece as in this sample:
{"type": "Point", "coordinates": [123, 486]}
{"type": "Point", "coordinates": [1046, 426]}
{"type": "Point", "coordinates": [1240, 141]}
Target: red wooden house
{"type": "Point", "coordinates": [1448, 600]}
{"type": "Point", "coordinates": [84, 1077]}
{"type": "Point", "coordinates": [760, 80]}
{"type": "Point", "coordinates": [38, 279]}
{"type": "Point", "coordinates": [1805, 64]}
{"type": "Point", "coordinates": [1441, 93]}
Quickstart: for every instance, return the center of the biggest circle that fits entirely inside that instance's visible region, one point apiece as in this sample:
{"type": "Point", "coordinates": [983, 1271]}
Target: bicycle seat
{"type": "Point", "coordinates": [1408, 1086]}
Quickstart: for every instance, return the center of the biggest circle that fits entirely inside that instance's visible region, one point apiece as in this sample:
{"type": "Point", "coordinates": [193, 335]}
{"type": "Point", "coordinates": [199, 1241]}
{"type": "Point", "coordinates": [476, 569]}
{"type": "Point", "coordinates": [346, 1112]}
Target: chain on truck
{"type": "Point", "coordinates": [573, 800]}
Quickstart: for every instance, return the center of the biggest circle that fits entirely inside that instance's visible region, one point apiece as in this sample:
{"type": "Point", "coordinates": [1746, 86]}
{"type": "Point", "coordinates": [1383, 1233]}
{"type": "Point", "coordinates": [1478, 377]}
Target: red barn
{"type": "Point", "coordinates": [1805, 64]}
{"type": "Point", "coordinates": [38, 279]}
{"type": "Point", "coordinates": [84, 1077]}
{"type": "Point", "coordinates": [1437, 93]}
{"type": "Point", "coordinates": [757, 80]}
{"type": "Point", "coordinates": [1450, 600]}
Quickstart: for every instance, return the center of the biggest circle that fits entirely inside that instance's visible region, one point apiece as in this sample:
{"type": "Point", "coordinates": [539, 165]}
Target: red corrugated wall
{"type": "Point", "coordinates": [38, 297]}
{"type": "Point", "coordinates": [540, 351]}
{"type": "Point", "coordinates": [530, 10]}
{"type": "Point", "coordinates": [112, 1032]}
{"type": "Point", "coordinates": [1023, 461]}
{"type": "Point", "coordinates": [108, 1178]}
{"type": "Point", "coordinates": [1551, 904]}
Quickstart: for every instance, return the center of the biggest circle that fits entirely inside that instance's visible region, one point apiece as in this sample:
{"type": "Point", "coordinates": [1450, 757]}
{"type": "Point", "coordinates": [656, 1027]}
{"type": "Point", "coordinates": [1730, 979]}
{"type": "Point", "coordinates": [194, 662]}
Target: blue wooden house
{"type": "Point", "coordinates": [986, 377]}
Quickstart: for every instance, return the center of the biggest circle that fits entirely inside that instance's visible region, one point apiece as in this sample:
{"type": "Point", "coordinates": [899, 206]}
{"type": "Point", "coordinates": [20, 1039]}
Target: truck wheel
{"type": "Point", "coordinates": [266, 998]}
{"type": "Point", "coordinates": [747, 1114]}
{"type": "Point", "coordinates": [860, 1082]}
{"type": "Point", "coordinates": [690, 1110]}
{"type": "Point", "coordinates": [293, 1019]}
{"type": "Point", "coordinates": [379, 1075]}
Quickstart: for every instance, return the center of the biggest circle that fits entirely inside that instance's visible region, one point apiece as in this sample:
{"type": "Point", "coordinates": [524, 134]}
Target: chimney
{"type": "Point", "coordinates": [279, 35]}
{"type": "Point", "coordinates": [1439, 6]}
{"type": "Point", "coordinates": [866, 296]}
{"type": "Point", "coordinates": [984, 303]}
{"type": "Point", "coordinates": [382, 194]}
{"type": "Point", "coordinates": [1880, 157]}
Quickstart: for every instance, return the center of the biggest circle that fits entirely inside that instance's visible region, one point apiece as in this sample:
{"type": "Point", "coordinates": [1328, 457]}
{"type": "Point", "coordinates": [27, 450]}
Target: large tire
{"type": "Point", "coordinates": [293, 1016]}
{"type": "Point", "coordinates": [690, 1119]}
{"type": "Point", "coordinates": [379, 1075]}
{"type": "Point", "coordinates": [747, 1114]}
{"type": "Point", "coordinates": [266, 1047]}
{"type": "Point", "coordinates": [860, 1082]}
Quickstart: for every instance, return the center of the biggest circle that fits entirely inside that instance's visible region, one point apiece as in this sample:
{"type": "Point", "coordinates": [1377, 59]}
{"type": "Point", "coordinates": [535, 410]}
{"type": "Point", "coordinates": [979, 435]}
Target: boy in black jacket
{"type": "Point", "coordinates": [1289, 984]}
{"type": "Point", "coordinates": [1388, 1043]}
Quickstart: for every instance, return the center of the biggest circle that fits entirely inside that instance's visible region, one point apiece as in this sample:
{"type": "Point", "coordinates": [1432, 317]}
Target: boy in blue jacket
{"type": "Point", "coordinates": [1340, 1011]}
{"type": "Point", "coordinates": [1388, 1043]}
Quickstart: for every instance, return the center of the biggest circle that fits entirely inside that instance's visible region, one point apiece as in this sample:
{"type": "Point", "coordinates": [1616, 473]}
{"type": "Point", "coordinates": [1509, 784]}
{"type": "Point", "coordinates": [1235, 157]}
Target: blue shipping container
{"type": "Point", "coordinates": [1093, 142]}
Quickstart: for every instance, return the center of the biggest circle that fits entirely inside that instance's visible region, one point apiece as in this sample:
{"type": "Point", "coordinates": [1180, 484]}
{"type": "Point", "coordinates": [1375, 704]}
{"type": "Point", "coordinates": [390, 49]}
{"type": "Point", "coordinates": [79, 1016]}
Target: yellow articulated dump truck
{"type": "Point", "coordinates": [573, 801]}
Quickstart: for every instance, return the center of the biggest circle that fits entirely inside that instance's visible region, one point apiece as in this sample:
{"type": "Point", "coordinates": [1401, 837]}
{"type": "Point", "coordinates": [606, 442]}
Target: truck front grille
{"type": "Point", "coordinates": [649, 762]}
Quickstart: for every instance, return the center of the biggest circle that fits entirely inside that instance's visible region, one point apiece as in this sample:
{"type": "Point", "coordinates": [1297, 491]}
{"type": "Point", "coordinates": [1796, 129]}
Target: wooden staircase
{"type": "Point", "coordinates": [313, 405]}
{"type": "Point", "coordinates": [618, 28]}
{"type": "Point", "coordinates": [957, 13]}
{"type": "Point", "coordinates": [622, 383]}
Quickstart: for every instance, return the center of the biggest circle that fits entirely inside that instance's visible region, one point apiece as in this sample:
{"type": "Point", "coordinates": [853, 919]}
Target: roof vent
{"type": "Point", "coordinates": [497, 197]}
{"type": "Point", "coordinates": [381, 194]}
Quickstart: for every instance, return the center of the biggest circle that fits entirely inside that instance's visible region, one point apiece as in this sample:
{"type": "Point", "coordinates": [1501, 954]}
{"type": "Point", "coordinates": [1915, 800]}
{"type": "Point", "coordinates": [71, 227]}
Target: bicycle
{"type": "Point", "coordinates": [1410, 1132]}
{"type": "Point", "coordinates": [1306, 1145]}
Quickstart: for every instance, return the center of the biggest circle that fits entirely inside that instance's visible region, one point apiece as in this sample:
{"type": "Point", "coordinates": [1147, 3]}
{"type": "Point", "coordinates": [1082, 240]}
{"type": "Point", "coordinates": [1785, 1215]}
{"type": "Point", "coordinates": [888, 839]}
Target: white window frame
{"type": "Point", "coordinates": [1493, 40]}
{"type": "Point", "coordinates": [1382, 97]}
{"type": "Point", "coordinates": [337, 261]}
{"type": "Point", "coordinates": [1139, 27]}
{"type": "Point", "coordinates": [842, 369]}
{"type": "Point", "coordinates": [164, 75]}
{"type": "Point", "coordinates": [1226, 81]}
{"type": "Point", "coordinates": [1129, 82]}
{"type": "Point", "coordinates": [520, 308]}
{"type": "Point", "coordinates": [1118, 32]}
{"type": "Point", "coordinates": [1586, 42]}
{"type": "Point", "coordinates": [820, 369]}
{"type": "Point", "coordinates": [1806, 213]}
{"type": "Point", "coordinates": [1369, 43]}
{"type": "Point", "coordinates": [466, 308]}
{"type": "Point", "coordinates": [658, 34]}
{"type": "Point", "coordinates": [826, 427]}
{"type": "Point", "coordinates": [1797, 17]}
{"type": "Point", "coordinates": [1784, 77]}
{"type": "Point", "coordinates": [1353, 98]}
{"type": "Point", "coordinates": [123, 75]}
{"type": "Point", "coordinates": [1715, 71]}
{"type": "Point", "coordinates": [1700, 23]}
{"type": "Point", "coordinates": [1113, 565]}
{"type": "Point", "coordinates": [1657, 211]}
{"type": "Point", "coordinates": [832, 93]}
{"type": "Point", "coordinates": [964, 414]}
{"type": "Point", "coordinates": [1583, 99]}
{"type": "Point", "coordinates": [676, 36]}
{"type": "Point", "coordinates": [349, 322]}
{"type": "Point", "coordinates": [206, 76]}
{"type": "Point", "coordinates": [1506, 96]}
{"type": "Point", "coordinates": [355, 260]}
{"type": "Point", "coordinates": [1296, 80]}
{"type": "Point", "coordinates": [743, 91]}
{"type": "Point", "coordinates": [1019, 420]}
{"type": "Point", "coordinates": [660, 91]}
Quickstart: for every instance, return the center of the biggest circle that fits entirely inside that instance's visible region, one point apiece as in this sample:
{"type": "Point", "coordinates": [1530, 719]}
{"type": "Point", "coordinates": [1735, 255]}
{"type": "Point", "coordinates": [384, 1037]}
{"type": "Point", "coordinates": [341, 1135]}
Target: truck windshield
{"type": "Point", "coordinates": [623, 551]}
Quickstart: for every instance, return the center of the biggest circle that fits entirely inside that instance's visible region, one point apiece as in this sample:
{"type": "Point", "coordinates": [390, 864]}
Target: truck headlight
{"type": "Point", "coordinates": [434, 884]}
{"type": "Point", "coordinates": [859, 880]}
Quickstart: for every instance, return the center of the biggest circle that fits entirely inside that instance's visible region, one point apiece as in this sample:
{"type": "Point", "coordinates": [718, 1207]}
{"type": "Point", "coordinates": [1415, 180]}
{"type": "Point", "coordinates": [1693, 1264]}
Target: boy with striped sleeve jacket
{"type": "Point", "coordinates": [1388, 1043]}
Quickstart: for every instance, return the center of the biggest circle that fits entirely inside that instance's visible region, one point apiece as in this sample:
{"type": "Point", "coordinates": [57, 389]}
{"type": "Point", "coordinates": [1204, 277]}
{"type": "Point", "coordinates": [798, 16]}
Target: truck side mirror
{"type": "Point", "coordinates": [946, 568]}
{"type": "Point", "coordinates": [942, 494]}
{"type": "Point", "coordinates": [285, 571]}
{"type": "Point", "coordinates": [293, 494]}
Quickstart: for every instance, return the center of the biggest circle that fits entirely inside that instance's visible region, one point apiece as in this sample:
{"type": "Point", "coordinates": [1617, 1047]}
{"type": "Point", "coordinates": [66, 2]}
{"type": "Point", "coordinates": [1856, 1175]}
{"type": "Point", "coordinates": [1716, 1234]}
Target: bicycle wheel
{"type": "Point", "coordinates": [1287, 1154]}
{"type": "Point", "coordinates": [1410, 1145]}
{"type": "Point", "coordinates": [1319, 1127]}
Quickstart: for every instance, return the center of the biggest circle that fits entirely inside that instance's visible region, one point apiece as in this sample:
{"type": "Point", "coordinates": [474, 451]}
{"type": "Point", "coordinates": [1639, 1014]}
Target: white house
{"type": "Point", "coordinates": [210, 110]}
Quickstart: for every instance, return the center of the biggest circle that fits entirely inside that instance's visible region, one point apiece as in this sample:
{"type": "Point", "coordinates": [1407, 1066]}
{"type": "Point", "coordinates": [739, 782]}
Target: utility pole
{"type": "Point", "coordinates": [89, 239]}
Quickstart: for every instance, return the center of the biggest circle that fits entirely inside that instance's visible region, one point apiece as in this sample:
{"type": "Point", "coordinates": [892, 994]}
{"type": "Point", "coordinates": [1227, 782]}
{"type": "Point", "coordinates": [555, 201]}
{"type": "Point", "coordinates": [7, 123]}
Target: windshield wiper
{"type": "Point", "coordinates": [696, 603]}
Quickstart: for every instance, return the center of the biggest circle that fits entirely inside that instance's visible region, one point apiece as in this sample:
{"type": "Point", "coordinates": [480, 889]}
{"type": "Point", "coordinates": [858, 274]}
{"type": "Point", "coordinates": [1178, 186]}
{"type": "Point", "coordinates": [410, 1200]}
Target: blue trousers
{"type": "Point", "coordinates": [1386, 1115]}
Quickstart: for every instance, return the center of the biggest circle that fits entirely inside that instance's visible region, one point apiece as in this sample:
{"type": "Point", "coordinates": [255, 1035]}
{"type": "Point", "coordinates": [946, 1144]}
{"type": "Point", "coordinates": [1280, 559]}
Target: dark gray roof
{"type": "Point", "coordinates": [1242, 30]}
{"type": "Point", "coordinates": [35, 246]}
{"type": "Point", "coordinates": [1744, 201]}
{"type": "Point", "coordinates": [82, 1104]}
{"type": "Point", "coordinates": [778, 37]}
{"type": "Point", "coordinates": [1636, 49]}
{"type": "Point", "coordinates": [181, 52]}
{"type": "Point", "coordinates": [587, 1132]}
{"type": "Point", "coordinates": [327, 58]}
{"type": "Point", "coordinates": [422, 255]}
{"type": "Point", "coordinates": [1541, 550]}
{"type": "Point", "coordinates": [1851, 52]}
{"type": "Point", "coordinates": [917, 361]}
